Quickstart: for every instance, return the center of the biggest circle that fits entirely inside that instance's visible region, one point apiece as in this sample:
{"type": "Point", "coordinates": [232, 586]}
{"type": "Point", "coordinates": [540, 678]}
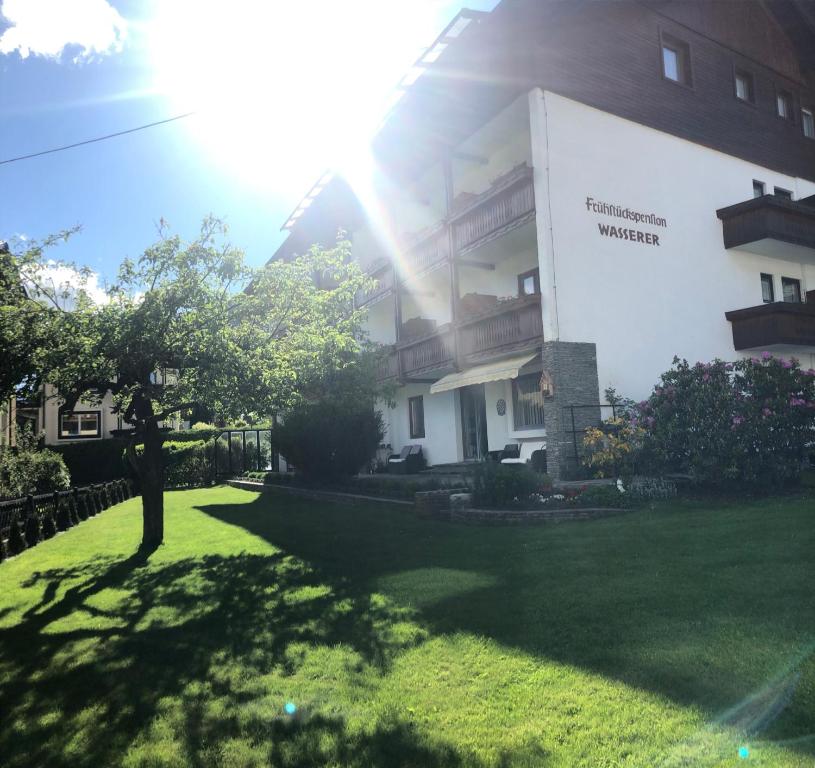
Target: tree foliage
{"type": "Point", "coordinates": [191, 324]}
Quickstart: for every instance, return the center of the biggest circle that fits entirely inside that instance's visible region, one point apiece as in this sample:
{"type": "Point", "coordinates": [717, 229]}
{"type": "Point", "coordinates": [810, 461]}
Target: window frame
{"type": "Point", "coordinates": [63, 412]}
{"type": "Point", "coordinates": [536, 276]}
{"type": "Point", "coordinates": [516, 410]}
{"type": "Point", "coordinates": [790, 98]}
{"type": "Point", "coordinates": [797, 282]}
{"type": "Point", "coordinates": [771, 283]}
{"type": "Point", "coordinates": [419, 432]}
{"type": "Point", "coordinates": [684, 53]}
{"type": "Point", "coordinates": [781, 192]}
{"type": "Point", "coordinates": [763, 185]}
{"type": "Point", "coordinates": [749, 77]}
{"type": "Point", "coordinates": [810, 111]}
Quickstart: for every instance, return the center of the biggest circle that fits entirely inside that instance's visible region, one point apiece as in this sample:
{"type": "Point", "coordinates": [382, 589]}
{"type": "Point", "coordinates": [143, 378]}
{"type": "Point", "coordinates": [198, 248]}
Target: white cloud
{"type": "Point", "coordinates": [48, 27]}
{"type": "Point", "coordinates": [64, 281]}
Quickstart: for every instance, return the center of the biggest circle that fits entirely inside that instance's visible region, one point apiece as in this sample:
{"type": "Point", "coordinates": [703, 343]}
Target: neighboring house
{"type": "Point", "coordinates": [568, 194]}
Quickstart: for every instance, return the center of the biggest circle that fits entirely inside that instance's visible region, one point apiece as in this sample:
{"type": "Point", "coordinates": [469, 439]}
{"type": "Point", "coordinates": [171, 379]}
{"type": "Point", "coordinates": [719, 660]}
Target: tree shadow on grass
{"type": "Point", "coordinates": [84, 677]}
{"type": "Point", "coordinates": [688, 610]}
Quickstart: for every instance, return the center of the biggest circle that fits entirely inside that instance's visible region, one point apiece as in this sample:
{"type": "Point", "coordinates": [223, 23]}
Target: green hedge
{"type": "Point", "coordinates": [187, 463]}
{"type": "Point", "coordinates": [94, 461]}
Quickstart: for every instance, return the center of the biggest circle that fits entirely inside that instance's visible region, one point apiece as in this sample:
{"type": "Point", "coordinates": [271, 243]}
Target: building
{"type": "Point", "coordinates": [568, 194]}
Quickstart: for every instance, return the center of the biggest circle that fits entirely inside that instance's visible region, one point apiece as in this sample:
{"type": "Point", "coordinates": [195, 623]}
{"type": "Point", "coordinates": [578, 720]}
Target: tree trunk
{"type": "Point", "coordinates": [151, 476]}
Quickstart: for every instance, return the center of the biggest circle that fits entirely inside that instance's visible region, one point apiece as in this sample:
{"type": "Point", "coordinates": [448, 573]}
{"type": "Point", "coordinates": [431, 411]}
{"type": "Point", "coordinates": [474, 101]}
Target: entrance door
{"type": "Point", "coordinates": [474, 422]}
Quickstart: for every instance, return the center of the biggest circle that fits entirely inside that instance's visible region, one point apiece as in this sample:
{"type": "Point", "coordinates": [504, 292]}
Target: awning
{"type": "Point", "coordinates": [480, 374]}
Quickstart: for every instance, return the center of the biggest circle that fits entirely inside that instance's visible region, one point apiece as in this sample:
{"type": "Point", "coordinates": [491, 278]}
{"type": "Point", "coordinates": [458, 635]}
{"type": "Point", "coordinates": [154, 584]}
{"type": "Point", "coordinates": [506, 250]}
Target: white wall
{"type": "Point", "coordinates": [642, 304]}
{"type": "Point", "coordinates": [379, 323]}
{"type": "Point", "coordinates": [442, 441]}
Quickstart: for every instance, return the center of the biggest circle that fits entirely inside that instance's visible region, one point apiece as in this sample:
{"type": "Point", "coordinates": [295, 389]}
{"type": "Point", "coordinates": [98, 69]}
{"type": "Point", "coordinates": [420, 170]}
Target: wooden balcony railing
{"type": "Point", "coordinates": [389, 366]}
{"type": "Point", "coordinates": [511, 200]}
{"type": "Point", "coordinates": [771, 225]}
{"type": "Point", "coordinates": [510, 324]}
{"type": "Point", "coordinates": [428, 354]}
{"type": "Point", "coordinates": [780, 323]}
{"type": "Point", "coordinates": [431, 248]}
{"type": "Point", "coordinates": [383, 274]}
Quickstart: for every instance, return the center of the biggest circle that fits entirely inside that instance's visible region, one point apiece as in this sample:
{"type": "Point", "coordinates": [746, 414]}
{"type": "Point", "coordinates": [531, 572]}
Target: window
{"type": "Point", "coordinates": [758, 188]}
{"type": "Point", "coordinates": [527, 402]}
{"type": "Point", "coordinates": [791, 290]}
{"type": "Point", "coordinates": [529, 283]}
{"type": "Point", "coordinates": [744, 86]}
{"type": "Point", "coordinates": [767, 290]}
{"type": "Point", "coordinates": [676, 60]}
{"type": "Point", "coordinates": [416, 416]}
{"type": "Point", "coordinates": [783, 102]}
{"type": "Point", "coordinates": [808, 123]}
{"type": "Point", "coordinates": [781, 192]}
{"type": "Point", "coordinates": [79, 424]}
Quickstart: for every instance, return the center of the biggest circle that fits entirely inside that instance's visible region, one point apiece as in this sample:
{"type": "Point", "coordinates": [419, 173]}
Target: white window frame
{"type": "Point", "coordinates": [81, 434]}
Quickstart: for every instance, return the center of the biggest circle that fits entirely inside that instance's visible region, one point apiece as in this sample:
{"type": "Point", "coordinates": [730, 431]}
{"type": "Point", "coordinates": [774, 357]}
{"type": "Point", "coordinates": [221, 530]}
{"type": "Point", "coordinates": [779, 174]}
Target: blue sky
{"type": "Point", "coordinates": [280, 89]}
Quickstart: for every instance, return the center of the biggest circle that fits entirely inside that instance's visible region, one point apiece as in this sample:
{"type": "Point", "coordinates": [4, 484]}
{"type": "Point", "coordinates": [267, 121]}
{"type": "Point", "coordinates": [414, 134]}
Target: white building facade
{"type": "Point", "coordinates": [564, 241]}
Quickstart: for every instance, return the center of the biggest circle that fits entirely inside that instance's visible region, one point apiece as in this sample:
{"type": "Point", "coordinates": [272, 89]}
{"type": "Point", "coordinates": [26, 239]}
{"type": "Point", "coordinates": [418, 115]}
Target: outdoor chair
{"type": "Point", "coordinates": [524, 455]}
{"type": "Point", "coordinates": [509, 451]}
{"type": "Point", "coordinates": [408, 462]}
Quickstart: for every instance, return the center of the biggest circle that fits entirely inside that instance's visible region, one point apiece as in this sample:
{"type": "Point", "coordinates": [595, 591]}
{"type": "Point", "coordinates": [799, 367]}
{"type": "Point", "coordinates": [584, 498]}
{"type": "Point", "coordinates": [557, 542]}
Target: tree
{"type": "Point", "coordinates": [191, 325]}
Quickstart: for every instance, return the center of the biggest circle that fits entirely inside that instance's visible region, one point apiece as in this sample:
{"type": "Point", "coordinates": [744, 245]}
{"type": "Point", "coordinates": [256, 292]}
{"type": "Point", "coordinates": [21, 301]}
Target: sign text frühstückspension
{"type": "Point", "coordinates": [621, 232]}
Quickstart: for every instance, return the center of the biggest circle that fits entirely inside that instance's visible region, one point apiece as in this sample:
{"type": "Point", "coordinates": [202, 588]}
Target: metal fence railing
{"type": "Point", "coordinates": [244, 450]}
{"type": "Point", "coordinates": [578, 419]}
{"type": "Point", "coordinates": [65, 508]}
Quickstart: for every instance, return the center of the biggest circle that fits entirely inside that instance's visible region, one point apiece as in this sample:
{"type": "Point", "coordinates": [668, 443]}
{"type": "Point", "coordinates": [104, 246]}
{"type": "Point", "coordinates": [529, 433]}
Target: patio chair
{"type": "Point", "coordinates": [524, 455]}
{"type": "Point", "coordinates": [408, 462]}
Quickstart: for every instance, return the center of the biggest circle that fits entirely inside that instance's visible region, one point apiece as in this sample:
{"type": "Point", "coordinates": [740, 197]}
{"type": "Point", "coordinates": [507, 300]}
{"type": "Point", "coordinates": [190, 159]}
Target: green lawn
{"type": "Point", "coordinates": [669, 637]}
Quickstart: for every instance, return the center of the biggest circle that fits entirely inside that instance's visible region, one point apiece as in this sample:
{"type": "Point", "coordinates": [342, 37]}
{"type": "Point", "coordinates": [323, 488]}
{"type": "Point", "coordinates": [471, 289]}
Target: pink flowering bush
{"type": "Point", "coordinates": [745, 422]}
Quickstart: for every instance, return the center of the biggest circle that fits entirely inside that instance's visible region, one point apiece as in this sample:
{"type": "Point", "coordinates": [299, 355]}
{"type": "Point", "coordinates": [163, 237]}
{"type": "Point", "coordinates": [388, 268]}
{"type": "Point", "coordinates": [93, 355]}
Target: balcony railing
{"type": "Point", "coordinates": [510, 201]}
{"type": "Point", "coordinates": [510, 325]}
{"type": "Point", "coordinates": [383, 274]}
{"type": "Point", "coordinates": [771, 225]}
{"type": "Point", "coordinates": [432, 247]}
{"type": "Point", "coordinates": [388, 368]}
{"type": "Point", "coordinates": [778, 324]}
{"type": "Point", "coordinates": [430, 353]}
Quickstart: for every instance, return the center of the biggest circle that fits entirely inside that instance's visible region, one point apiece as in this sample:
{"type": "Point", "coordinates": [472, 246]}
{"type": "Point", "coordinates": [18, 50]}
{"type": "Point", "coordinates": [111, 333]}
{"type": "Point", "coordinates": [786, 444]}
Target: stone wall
{"type": "Point", "coordinates": [572, 367]}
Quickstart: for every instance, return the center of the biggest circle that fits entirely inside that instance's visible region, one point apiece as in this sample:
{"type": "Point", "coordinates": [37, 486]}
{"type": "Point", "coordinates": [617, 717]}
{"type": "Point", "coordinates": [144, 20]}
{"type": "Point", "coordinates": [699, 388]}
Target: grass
{"type": "Point", "coordinates": [667, 637]}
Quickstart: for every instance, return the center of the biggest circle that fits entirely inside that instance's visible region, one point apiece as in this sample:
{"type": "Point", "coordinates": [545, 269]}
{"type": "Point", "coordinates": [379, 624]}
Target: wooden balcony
{"type": "Point", "coordinates": [771, 226]}
{"type": "Point", "coordinates": [426, 355]}
{"type": "Point", "coordinates": [508, 203]}
{"type": "Point", "coordinates": [779, 324]}
{"type": "Point", "coordinates": [512, 325]}
{"type": "Point", "coordinates": [389, 366]}
{"type": "Point", "coordinates": [431, 247]}
{"type": "Point", "coordinates": [382, 272]}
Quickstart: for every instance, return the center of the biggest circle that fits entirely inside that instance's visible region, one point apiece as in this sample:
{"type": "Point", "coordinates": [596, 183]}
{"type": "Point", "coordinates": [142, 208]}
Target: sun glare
{"type": "Point", "coordinates": [284, 90]}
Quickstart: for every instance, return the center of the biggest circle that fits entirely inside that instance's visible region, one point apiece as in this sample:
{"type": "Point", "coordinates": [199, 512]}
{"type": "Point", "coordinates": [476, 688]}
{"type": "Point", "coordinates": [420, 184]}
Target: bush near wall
{"type": "Point", "coordinates": [501, 486]}
{"type": "Point", "coordinates": [743, 424]}
{"type": "Point", "coordinates": [94, 461]}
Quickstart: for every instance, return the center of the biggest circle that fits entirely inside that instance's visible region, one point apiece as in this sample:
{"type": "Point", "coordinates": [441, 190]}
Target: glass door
{"type": "Point", "coordinates": [474, 422]}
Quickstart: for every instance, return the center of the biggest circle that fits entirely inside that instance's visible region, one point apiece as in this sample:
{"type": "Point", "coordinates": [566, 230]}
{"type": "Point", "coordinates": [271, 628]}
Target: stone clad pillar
{"type": "Point", "coordinates": [572, 367]}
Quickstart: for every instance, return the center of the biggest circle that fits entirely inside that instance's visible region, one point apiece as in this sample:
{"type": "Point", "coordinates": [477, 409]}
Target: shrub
{"type": "Point", "coordinates": [187, 463]}
{"type": "Point", "coordinates": [746, 422]}
{"type": "Point", "coordinates": [602, 496]}
{"type": "Point", "coordinates": [49, 526]}
{"type": "Point", "coordinates": [24, 471]}
{"type": "Point", "coordinates": [16, 540]}
{"type": "Point", "coordinates": [613, 449]}
{"type": "Point", "coordinates": [325, 441]}
{"type": "Point", "coordinates": [94, 461]}
{"type": "Point", "coordinates": [63, 516]}
{"type": "Point", "coordinates": [31, 530]}
{"type": "Point", "coordinates": [651, 488]}
{"type": "Point", "coordinates": [500, 485]}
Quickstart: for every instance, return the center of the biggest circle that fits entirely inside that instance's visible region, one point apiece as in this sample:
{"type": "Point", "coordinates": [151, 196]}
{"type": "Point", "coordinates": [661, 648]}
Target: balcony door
{"type": "Point", "coordinates": [473, 422]}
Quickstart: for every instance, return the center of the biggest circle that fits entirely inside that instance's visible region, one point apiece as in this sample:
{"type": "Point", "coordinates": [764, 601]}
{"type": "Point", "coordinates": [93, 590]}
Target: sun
{"type": "Point", "coordinates": [282, 90]}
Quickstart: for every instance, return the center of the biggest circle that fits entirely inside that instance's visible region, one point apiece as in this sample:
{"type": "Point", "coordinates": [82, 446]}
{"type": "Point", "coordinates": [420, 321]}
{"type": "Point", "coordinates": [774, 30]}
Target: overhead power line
{"type": "Point", "coordinates": [98, 138]}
